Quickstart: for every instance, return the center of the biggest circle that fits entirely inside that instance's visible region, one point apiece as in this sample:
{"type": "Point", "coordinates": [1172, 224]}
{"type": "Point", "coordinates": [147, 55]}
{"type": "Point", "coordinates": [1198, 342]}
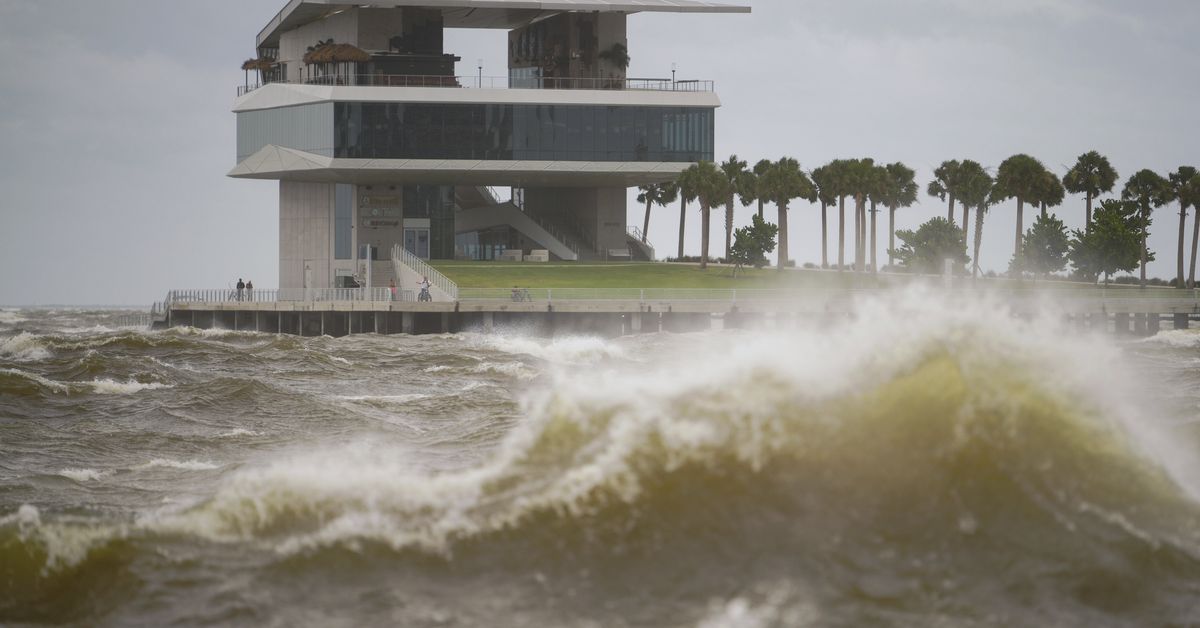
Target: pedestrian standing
{"type": "Point", "coordinates": [241, 285]}
{"type": "Point", "coordinates": [249, 290]}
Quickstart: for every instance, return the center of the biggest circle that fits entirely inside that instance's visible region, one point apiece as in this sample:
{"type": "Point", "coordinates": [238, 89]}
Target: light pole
{"type": "Point", "coordinates": [481, 73]}
{"type": "Point", "coordinates": [672, 76]}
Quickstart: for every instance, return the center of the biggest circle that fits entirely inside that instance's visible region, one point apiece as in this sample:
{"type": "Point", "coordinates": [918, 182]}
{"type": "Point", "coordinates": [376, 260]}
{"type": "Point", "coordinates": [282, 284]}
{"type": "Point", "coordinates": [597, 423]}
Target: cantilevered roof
{"type": "Point", "coordinates": [506, 14]}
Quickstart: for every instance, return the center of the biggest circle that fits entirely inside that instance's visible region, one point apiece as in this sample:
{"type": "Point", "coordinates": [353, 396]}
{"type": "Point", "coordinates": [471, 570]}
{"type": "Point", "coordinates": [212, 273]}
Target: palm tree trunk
{"type": "Point", "coordinates": [646, 221]}
{"type": "Point", "coordinates": [978, 241]}
{"type": "Point", "coordinates": [950, 211]}
{"type": "Point", "coordinates": [783, 235]}
{"type": "Point", "coordinates": [965, 221]}
{"type": "Point", "coordinates": [862, 236]}
{"type": "Point", "coordinates": [891, 233]}
{"type": "Point", "coordinates": [874, 212]}
{"type": "Point", "coordinates": [682, 222]}
{"type": "Point", "coordinates": [1145, 217]}
{"type": "Point", "coordinates": [1017, 243]}
{"type": "Point", "coordinates": [1195, 236]}
{"type": "Point", "coordinates": [857, 232]}
{"type": "Point", "coordinates": [841, 232]}
{"type": "Point", "coordinates": [704, 220]}
{"type": "Point", "coordinates": [1179, 264]}
{"type": "Point", "coordinates": [728, 227]}
{"type": "Point", "coordinates": [1087, 226]}
{"type": "Point", "coordinates": [1043, 209]}
{"type": "Point", "coordinates": [760, 208]}
{"type": "Point", "coordinates": [824, 238]}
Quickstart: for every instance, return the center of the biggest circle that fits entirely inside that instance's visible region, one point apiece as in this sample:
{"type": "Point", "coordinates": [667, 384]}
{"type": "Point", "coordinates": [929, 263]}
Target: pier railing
{"type": "Point", "coordinates": [226, 295]}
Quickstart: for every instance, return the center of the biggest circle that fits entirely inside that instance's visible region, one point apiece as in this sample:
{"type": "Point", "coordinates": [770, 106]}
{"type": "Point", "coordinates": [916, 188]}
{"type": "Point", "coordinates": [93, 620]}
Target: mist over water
{"type": "Point", "coordinates": [922, 464]}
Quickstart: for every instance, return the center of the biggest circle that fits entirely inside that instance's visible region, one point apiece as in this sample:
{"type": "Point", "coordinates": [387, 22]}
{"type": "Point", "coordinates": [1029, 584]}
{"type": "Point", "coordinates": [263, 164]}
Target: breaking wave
{"type": "Point", "coordinates": [563, 350]}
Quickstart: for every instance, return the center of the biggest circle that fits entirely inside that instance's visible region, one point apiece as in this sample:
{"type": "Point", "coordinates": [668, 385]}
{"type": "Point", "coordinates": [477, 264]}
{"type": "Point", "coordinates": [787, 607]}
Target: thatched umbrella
{"type": "Point", "coordinates": [336, 53]}
{"type": "Point", "coordinates": [259, 65]}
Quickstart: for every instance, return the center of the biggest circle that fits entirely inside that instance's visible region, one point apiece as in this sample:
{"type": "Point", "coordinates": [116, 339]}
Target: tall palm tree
{"type": "Point", "coordinates": [655, 194]}
{"type": "Point", "coordinates": [687, 192]}
{"type": "Point", "coordinates": [1191, 192]}
{"type": "Point", "coordinates": [1149, 191]}
{"type": "Point", "coordinates": [711, 188]}
{"type": "Point", "coordinates": [861, 183]}
{"type": "Point", "coordinates": [968, 171]}
{"type": "Point", "coordinates": [735, 172]}
{"type": "Point", "coordinates": [1091, 175]}
{"type": "Point", "coordinates": [878, 195]}
{"type": "Point", "coordinates": [837, 178]}
{"type": "Point", "coordinates": [1177, 191]}
{"type": "Point", "coordinates": [822, 179]}
{"type": "Point", "coordinates": [899, 189]}
{"type": "Point", "coordinates": [1020, 177]}
{"type": "Point", "coordinates": [786, 181]}
{"type": "Point", "coordinates": [974, 191]}
{"type": "Point", "coordinates": [943, 185]}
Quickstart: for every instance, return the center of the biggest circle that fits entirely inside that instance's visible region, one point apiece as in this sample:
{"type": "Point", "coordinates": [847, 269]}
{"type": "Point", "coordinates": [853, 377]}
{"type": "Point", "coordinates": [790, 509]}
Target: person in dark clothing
{"type": "Point", "coordinates": [241, 285]}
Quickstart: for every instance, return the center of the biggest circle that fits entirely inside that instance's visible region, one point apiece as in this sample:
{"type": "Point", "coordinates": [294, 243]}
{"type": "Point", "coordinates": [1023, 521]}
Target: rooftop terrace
{"type": "Point", "coordinates": [494, 82]}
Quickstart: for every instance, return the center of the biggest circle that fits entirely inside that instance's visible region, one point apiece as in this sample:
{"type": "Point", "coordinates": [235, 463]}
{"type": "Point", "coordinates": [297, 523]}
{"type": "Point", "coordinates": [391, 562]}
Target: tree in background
{"type": "Point", "coordinates": [1177, 190]}
{"type": "Point", "coordinates": [1045, 247]}
{"type": "Point", "coordinates": [735, 173]}
{"type": "Point", "coordinates": [861, 180]}
{"type": "Point", "coordinates": [1191, 192]}
{"type": "Point", "coordinates": [752, 243]}
{"type": "Point", "coordinates": [655, 194]}
{"type": "Point", "coordinates": [1051, 193]}
{"type": "Point", "coordinates": [711, 188]}
{"type": "Point", "coordinates": [926, 249]}
{"type": "Point", "coordinates": [975, 192]}
{"type": "Point", "coordinates": [822, 178]}
{"type": "Point", "coordinates": [1149, 191]}
{"type": "Point", "coordinates": [1111, 243]}
{"type": "Point", "coordinates": [687, 192]}
{"type": "Point", "coordinates": [760, 170]}
{"type": "Point", "coordinates": [1020, 177]}
{"type": "Point", "coordinates": [1092, 176]}
{"type": "Point", "coordinates": [944, 185]}
{"type": "Point", "coordinates": [836, 177]}
{"type": "Point", "coordinates": [786, 181]}
{"type": "Point", "coordinates": [899, 189]}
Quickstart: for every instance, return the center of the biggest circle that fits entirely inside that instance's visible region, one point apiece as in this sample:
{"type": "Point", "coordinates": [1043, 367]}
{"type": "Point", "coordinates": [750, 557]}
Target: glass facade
{"type": "Point", "coordinates": [305, 127]}
{"type": "Point", "coordinates": [343, 219]}
{"type": "Point", "coordinates": [527, 132]}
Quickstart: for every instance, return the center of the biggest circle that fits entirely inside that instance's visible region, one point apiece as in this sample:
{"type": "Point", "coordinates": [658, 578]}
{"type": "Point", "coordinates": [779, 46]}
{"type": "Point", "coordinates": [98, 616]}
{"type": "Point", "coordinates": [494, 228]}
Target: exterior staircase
{"type": "Point", "coordinates": [409, 271]}
{"type": "Point", "coordinates": [638, 249]}
{"type": "Point", "coordinates": [547, 235]}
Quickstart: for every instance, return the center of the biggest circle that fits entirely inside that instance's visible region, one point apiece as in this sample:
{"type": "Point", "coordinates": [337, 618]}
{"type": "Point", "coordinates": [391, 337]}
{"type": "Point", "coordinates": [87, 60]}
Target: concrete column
{"type": "Point", "coordinates": [1152, 324]}
{"type": "Point", "coordinates": [1180, 320]}
{"type": "Point", "coordinates": [489, 322]}
{"type": "Point", "coordinates": [406, 323]}
{"type": "Point", "coordinates": [1139, 324]}
{"type": "Point", "coordinates": [1121, 320]}
{"type": "Point", "coordinates": [635, 323]}
{"type": "Point", "coordinates": [445, 322]}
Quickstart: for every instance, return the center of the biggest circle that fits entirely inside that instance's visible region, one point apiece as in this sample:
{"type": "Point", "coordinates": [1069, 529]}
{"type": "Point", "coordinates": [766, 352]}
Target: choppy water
{"type": "Point", "coordinates": [916, 467]}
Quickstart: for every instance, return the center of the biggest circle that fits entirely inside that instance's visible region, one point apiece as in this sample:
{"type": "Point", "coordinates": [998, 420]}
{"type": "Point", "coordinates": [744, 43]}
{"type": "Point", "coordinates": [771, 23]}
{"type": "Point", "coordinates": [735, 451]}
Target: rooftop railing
{"type": "Point", "coordinates": [494, 82]}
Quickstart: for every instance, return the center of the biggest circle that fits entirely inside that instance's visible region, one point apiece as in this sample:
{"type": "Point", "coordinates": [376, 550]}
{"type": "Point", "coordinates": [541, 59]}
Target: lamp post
{"type": "Point", "coordinates": [672, 76]}
{"type": "Point", "coordinates": [481, 73]}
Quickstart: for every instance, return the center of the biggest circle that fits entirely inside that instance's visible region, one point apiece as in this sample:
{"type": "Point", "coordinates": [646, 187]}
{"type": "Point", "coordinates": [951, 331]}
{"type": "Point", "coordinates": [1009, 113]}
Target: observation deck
{"type": "Point", "coordinates": [495, 82]}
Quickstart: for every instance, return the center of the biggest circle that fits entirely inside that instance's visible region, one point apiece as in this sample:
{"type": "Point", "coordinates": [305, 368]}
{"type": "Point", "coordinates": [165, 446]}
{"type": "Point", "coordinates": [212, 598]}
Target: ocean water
{"type": "Point", "coordinates": [921, 465]}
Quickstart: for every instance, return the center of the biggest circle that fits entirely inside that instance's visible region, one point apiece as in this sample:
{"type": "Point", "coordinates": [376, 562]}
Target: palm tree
{"type": "Point", "coordinates": [945, 179]}
{"type": "Point", "coordinates": [760, 170]}
{"type": "Point", "coordinates": [1191, 192]}
{"type": "Point", "coordinates": [687, 192]}
{"type": "Point", "coordinates": [1020, 177]}
{"type": "Point", "coordinates": [899, 189]}
{"type": "Point", "coordinates": [1148, 190]}
{"type": "Point", "coordinates": [1177, 191]}
{"type": "Point", "coordinates": [1091, 175]}
{"type": "Point", "coordinates": [655, 194]}
{"type": "Point", "coordinates": [822, 179]}
{"type": "Point", "coordinates": [735, 173]}
{"type": "Point", "coordinates": [1052, 192]}
{"type": "Point", "coordinates": [711, 188]}
{"type": "Point", "coordinates": [975, 191]}
{"type": "Point", "coordinates": [786, 181]}
{"type": "Point", "coordinates": [861, 183]}
{"type": "Point", "coordinates": [837, 179]}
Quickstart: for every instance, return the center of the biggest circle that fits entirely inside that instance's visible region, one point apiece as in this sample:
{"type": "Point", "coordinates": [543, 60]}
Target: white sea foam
{"type": "Point", "coordinates": [1179, 338]}
{"type": "Point", "coordinates": [341, 360]}
{"type": "Point", "coordinates": [34, 377]}
{"type": "Point", "coordinates": [83, 475]}
{"type": "Point", "coordinates": [508, 369]}
{"type": "Point", "coordinates": [64, 544]}
{"type": "Point", "coordinates": [25, 347]}
{"type": "Point", "coordinates": [436, 369]}
{"type": "Point", "coordinates": [238, 432]}
{"type": "Point", "coordinates": [561, 350]}
{"type": "Point", "coordinates": [112, 387]}
{"type": "Point", "coordinates": [385, 398]}
{"type": "Point", "coordinates": [11, 317]}
{"type": "Point", "coordinates": [182, 465]}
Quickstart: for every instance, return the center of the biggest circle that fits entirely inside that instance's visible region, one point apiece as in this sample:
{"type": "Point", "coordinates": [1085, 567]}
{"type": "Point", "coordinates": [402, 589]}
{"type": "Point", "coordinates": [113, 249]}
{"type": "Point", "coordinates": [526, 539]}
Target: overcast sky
{"type": "Point", "coordinates": [116, 131]}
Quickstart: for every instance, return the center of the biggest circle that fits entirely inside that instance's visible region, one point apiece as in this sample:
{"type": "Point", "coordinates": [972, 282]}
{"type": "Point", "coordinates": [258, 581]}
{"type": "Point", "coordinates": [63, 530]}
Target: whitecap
{"type": "Point", "coordinates": [112, 387]}
{"type": "Point", "coordinates": [83, 475]}
{"type": "Point", "coordinates": [182, 465]}
{"type": "Point", "coordinates": [25, 347]}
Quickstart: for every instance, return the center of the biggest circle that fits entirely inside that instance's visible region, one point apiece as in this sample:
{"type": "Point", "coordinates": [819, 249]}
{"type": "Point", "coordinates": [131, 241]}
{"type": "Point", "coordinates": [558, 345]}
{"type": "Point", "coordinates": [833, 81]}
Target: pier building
{"type": "Point", "coordinates": [356, 110]}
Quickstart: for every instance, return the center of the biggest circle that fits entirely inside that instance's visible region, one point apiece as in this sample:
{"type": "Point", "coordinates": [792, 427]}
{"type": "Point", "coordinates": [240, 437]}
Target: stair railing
{"type": "Point", "coordinates": [403, 256]}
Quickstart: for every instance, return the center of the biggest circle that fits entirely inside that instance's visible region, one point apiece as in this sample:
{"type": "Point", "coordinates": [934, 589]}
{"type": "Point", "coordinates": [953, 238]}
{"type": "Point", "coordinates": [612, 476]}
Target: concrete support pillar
{"type": "Point", "coordinates": [635, 323]}
{"type": "Point", "coordinates": [1121, 322]}
{"type": "Point", "coordinates": [489, 322]}
{"type": "Point", "coordinates": [1180, 320]}
{"type": "Point", "coordinates": [1152, 324]}
{"type": "Point", "coordinates": [406, 323]}
{"type": "Point", "coordinates": [445, 322]}
{"type": "Point", "coordinates": [1139, 324]}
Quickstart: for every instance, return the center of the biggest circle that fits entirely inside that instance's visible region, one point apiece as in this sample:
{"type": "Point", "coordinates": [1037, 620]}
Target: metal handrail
{"type": "Point", "coordinates": [400, 255]}
{"type": "Point", "coordinates": [493, 82]}
{"type": "Point", "coordinates": [258, 295]}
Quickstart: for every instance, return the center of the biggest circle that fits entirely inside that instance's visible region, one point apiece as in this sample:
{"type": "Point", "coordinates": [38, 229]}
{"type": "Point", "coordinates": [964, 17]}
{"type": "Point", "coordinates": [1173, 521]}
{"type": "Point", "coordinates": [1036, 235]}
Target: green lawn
{"type": "Point", "coordinates": [661, 275]}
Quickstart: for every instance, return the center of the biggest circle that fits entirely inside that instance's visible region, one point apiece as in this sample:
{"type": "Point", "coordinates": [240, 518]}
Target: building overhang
{"type": "Point", "coordinates": [277, 163]}
{"type": "Point", "coordinates": [503, 14]}
{"type": "Point", "coordinates": [275, 95]}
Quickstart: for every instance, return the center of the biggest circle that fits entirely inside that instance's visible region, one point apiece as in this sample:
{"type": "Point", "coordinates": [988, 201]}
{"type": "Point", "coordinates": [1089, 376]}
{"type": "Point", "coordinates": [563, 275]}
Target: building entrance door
{"type": "Point", "coordinates": [416, 241]}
